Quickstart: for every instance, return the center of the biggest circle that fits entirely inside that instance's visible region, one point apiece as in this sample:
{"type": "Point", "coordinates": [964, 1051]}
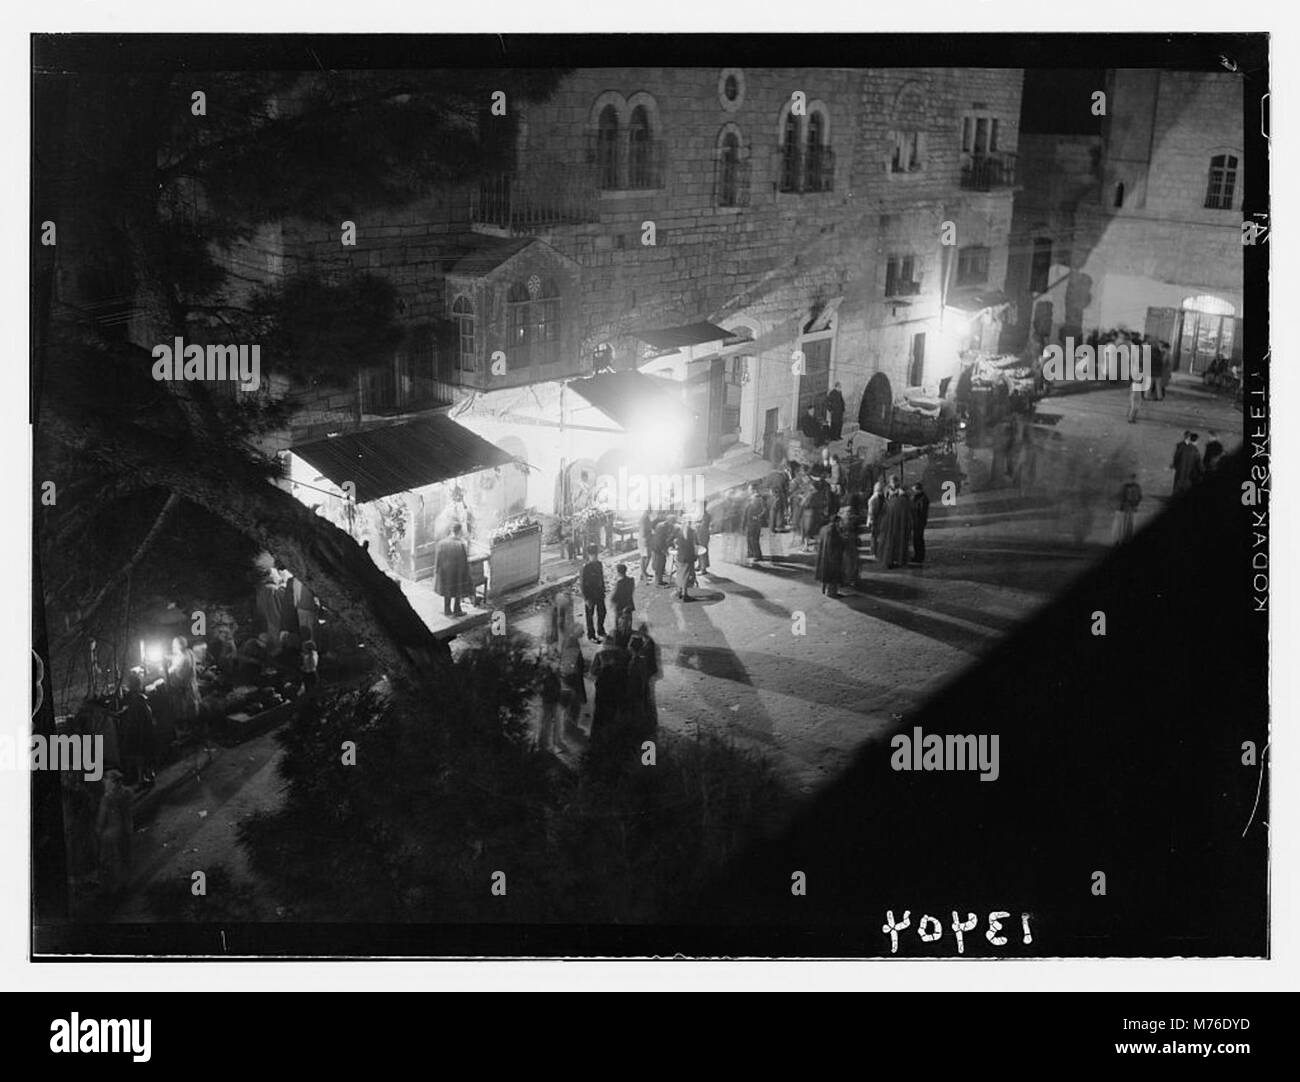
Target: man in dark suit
{"type": "Point", "coordinates": [593, 593]}
{"type": "Point", "coordinates": [835, 410]}
{"type": "Point", "coordinates": [451, 571]}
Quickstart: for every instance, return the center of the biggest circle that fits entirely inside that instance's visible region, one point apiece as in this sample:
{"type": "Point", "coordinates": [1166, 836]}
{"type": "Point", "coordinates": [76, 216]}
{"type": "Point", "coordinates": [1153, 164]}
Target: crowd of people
{"type": "Point", "coordinates": [623, 671]}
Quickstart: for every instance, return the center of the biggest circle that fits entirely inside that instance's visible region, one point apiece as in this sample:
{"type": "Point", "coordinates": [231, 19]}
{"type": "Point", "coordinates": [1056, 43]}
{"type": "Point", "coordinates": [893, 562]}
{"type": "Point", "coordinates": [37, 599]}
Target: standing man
{"type": "Point", "coordinates": [659, 541]}
{"type": "Point", "coordinates": [685, 563]}
{"type": "Point", "coordinates": [835, 410]}
{"type": "Point", "coordinates": [755, 511]}
{"type": "Point", "coordinates": [1213, 452]}
{"type": "Point", "coordinates": [623, 604]}
{"type": "Point", "coordinates": [811, 427]}
{"type": "Point", "coordinates": [829, 569]}
{"type": "Point", "coordinates": [1187, 464]}
{"type": "Point", "coordinates": [920, 516]}
{"type": "Point", "coordinates": [593, 593]}
{"type": "Point", "coordinates": [609, 670]}
{"type": "Point", "coordinates": [451, 571]}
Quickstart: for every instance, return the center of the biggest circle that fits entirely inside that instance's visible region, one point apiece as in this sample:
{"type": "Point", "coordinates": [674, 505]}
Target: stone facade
{"type": "Point", "coordinates": [1133, 242]}
{"type": "Point", "coordinates": [669, 194]}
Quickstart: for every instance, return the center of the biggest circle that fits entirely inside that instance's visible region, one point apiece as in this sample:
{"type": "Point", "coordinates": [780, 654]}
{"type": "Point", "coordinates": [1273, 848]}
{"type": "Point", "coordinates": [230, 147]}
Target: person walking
{"type": "Point", "coordinates": [1130, 495]}
{"type": "Point", "coordinates": [813, 513]}
{"type": "Point", "coordinates": [829, 569]}
{"type": "Point", "coordinates": [835, 411]}
{"type": "Point", "coordinates": [755, 511]}
{"type": "Point", "coordinates": [451, 571]}
{"type": "Point", "coordinates": [920, 516]}
{"type": "Point", "coordinates": [593, 594]}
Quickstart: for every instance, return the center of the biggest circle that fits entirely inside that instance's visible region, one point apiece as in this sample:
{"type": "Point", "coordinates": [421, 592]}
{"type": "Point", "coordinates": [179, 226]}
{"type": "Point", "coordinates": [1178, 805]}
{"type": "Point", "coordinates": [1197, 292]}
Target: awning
{"type": "Point", "coordinates": [976, 300]}
{"type": "Point", "coordinates": [692, 334]}
{"type": "Point", "coordinates": [633, 400]}
{"type": "Point", "coordinates": [398, 458]}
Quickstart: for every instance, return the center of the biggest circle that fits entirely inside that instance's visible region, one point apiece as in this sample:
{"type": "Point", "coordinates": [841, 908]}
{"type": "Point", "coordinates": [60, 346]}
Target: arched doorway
{"type": "Point", "coordinates": [876, 412]}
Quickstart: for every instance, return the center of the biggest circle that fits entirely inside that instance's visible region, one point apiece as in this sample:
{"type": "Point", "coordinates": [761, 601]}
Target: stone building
{"type": "Point", "coordinates": [752, 235]}
{"type": "Point", "coordinates": [1141, 226]}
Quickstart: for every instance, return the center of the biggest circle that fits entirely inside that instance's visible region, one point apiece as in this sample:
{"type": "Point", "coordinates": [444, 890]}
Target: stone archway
{"type": "Point", "coordinates": [875, 415]}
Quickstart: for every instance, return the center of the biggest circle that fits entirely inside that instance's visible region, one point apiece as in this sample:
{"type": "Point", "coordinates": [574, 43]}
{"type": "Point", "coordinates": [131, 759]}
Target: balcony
{"type": "Point", "coordinates": [989, 172]}
{"type": "Point", "coordinates": [542, 199]}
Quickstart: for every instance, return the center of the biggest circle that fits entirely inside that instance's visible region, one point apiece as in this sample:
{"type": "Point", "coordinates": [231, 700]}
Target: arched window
{"type": "Point", "coordinates": [533, 322]}
{"type": "Point", "coordinates": [790, 154]}
{"type": "Point", "coordinates": [640, 172]}
{"type": "Point", "coordinates": [607, 148]}
{"type": "Point", "coordinates": [729, 179]}
{"type": "Point", "coordinates": [1222, 183]}
{"type": "Point", "coordinates": [815, 159]}
{"type": "Point", "coordinates": [462, 312]}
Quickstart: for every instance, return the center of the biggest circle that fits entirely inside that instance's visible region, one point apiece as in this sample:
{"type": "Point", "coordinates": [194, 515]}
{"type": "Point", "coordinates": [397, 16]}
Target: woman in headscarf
{"type": "Point", "coordinates": [896, 524]}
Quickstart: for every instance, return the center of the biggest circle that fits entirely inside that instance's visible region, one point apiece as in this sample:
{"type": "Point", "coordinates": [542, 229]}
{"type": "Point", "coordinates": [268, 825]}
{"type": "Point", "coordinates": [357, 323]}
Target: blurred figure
{"type": "Point", "coordinates": [550, 690]}
{"type": "Point", "coordinates": [1130, 495]}
{"type": "Point", "coordinates": [136, 733]}
{"type": "Point", "coordinates": [609, 668]}
{"type": "Point", "coordinates": [623, 603]}
{"type": "Point", "coordinates": [685, 563]}
{"type": "Point", "coordinates": [572, 678]}
{"type": "Point", "coordinates": [896, 527]}
{"type": "Point", "coordinates": [1213, 452]}
{"type": "Point", "coordinates": [703, 530]}
{"type": "Point", "coordinates": [183, 684]}
{"type": "Point", "coordinates": [835, 411]}
{"type": "Point", "coordinates": [1186, 464]}
{"type": "Point", "coordinates": [113, 829]}
{"type": "Point", "coordinates": [310, 665]}
{"type": "Point", "coordinates": [829, 569]}
{"type": "Point", "coordinates": [875, 515]}
{"type": "Point", "coordinates": [755, 511]}
{"type": "Point", "coordinates": [920, 516]}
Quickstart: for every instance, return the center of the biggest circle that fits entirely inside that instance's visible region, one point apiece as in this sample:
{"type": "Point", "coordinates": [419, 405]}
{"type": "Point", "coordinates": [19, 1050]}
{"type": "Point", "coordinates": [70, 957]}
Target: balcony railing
{"type": "Point", "coordinates": [541, 199]}
{"type": "Point", "coordinates": [989, 172]}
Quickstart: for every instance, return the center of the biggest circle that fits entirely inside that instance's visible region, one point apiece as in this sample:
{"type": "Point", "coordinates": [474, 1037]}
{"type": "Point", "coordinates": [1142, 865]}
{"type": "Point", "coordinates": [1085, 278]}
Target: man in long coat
{"type": "Point", "coordinates": [1187, 464]}
{"type": "Point", "coordinates": [835, 411]}
{"type": "Point", "coordinates": [451, 571]}
{"type": "Point", "coordinates": [829, 569]}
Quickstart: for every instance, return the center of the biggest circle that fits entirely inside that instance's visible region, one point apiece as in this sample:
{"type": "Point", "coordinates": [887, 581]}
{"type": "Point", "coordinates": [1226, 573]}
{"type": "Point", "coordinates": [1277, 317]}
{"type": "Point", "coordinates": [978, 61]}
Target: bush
{"type": "Point", "coordinates": [436, 803]}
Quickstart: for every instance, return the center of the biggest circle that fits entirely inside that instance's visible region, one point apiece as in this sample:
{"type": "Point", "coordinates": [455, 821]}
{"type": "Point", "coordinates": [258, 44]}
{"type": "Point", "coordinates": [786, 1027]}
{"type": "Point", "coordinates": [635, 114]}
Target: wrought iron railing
{"type": "Point", "coordinates": [988, 172]}
{"type": "Point", "coordinates": [537, 200]}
